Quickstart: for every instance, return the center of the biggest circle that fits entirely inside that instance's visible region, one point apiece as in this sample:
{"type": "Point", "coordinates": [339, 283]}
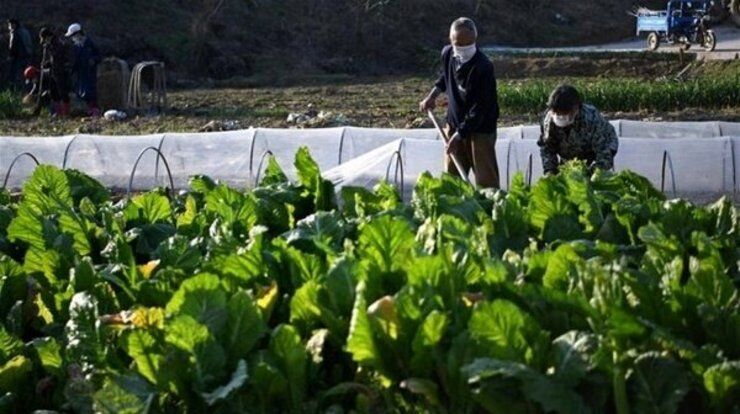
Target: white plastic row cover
{"type": "Point", "coordinates": [699, 157]}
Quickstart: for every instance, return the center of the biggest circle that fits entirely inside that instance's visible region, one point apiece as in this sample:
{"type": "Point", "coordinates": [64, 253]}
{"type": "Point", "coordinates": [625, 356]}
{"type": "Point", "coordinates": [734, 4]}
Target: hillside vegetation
{"type": "Point", "coordinates": [226, 38]}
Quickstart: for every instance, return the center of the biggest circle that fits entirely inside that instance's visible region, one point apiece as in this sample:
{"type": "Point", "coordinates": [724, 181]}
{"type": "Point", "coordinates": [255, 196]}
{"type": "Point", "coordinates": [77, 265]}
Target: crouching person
{"type": "Point", "coordinates": [572, 130]}
{"type": "Point", "coordinates": [41, 95]}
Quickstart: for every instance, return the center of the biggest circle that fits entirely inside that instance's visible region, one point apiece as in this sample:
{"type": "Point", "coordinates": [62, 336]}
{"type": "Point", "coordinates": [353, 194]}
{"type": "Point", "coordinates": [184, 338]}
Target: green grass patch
{"type": "Point", "coordinates": [615, 95]}
{"type": "Point", "coordinates": [10, 105]}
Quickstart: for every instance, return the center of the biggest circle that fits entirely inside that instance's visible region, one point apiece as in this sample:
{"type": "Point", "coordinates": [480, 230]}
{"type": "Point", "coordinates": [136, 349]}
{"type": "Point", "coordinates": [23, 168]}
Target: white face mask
{"type": "Point", "coordinates": [78, 40]}
{"type": "Point", "coordinates": [464, 53]}
{"type": "Point", "coordinates": [563, 121]}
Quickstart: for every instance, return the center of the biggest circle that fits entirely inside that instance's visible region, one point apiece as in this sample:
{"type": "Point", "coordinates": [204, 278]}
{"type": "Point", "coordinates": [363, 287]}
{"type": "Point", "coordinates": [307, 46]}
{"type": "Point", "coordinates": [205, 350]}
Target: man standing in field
{"type": "Point", "coordinates": [20, 52]}
{"type": "Point", "coordinates": [54, 61]}
{"type": "Point", "coordinates": [469, 81]}
{"type": "Point", "coordinates": [574, 130]}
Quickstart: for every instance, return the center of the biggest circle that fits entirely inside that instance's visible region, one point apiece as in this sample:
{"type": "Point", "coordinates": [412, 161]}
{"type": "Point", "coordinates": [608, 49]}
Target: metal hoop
{"type": "Point", "coordinates": [156, 163]}
{"type": "Point", "coordinates": [508, 164]}
{"type": "Point", "coordinates": [666, 162]}
{"type": "Point", "coordinates": [259, 167]}
{"type": "Point", "coordinates": [528, 172]}
{"type": "Point", "coordinates": [15, 160]}
{"type": "Point", "coordinates": [341, 145]}
{"type": "Point", "coordinates": [136, 165]}
{"type": "Point", "coordinates": [69, 145]}
{"type": "Point", "coordinates": [66, 151]}
{"type": "Point", "coordinates": [251, 152]}
{"type": "Point", "coordinates": [734, 169]}
{"type": "Point", "coordinates": [399, 167]}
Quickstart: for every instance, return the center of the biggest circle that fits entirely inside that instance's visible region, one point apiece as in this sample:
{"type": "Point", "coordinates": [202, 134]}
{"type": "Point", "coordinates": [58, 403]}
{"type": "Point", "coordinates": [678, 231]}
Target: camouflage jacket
{"type": "Point", "coordinates": [591, 138]}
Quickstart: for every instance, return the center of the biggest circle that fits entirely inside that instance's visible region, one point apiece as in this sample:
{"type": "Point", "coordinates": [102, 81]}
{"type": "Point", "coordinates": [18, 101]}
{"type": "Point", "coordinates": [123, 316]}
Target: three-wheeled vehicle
{"type": "Point", "coordinates": [684, 22]}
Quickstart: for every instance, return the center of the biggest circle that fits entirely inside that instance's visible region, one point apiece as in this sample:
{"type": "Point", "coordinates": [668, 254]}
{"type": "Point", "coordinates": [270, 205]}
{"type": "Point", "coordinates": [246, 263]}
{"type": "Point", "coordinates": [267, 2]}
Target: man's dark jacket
{"type": "Point", "coordinates": [471, 92]}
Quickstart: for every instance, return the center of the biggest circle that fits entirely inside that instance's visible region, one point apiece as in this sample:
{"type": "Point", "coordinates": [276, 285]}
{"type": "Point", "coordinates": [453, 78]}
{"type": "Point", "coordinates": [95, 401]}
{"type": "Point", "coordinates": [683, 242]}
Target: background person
{"type": "Point", "coordinates": [469, 81]}
{"type": "Point", "coordinates": [574, 130]}
{"type": "Point", "coordinates": [20, 52]}
{"type": "Point", "coordinates": [85, 67]}
{"type": "Point", "coordinates": [54, 63]}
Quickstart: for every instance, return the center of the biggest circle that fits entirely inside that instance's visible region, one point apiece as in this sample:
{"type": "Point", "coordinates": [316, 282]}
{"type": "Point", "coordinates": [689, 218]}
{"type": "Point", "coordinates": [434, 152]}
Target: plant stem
{"type": "Point", "coordinates": [620, 387]}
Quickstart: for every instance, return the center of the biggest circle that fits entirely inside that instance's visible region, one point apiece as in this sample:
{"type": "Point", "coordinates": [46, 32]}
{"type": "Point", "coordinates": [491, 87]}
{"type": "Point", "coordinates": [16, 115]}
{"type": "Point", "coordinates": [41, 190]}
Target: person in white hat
{"type": "Point", "coordinates": [85, 67]}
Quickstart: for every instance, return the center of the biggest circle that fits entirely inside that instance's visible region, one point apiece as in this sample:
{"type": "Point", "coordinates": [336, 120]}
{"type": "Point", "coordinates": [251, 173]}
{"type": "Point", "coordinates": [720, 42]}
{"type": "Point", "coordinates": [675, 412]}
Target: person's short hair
{"type": "Point", "coordinates": [564, 99]}
{"type": "Point", "coordinates": [466, 24]}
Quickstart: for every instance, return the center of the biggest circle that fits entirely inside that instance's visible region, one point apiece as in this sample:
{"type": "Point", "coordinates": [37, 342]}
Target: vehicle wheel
{"type": "Point", "coordinates": [710, 41]}
{"type": "Point", "coordinates": [653, 41]}
{"type": "Point", "coordinates": [735, 11]}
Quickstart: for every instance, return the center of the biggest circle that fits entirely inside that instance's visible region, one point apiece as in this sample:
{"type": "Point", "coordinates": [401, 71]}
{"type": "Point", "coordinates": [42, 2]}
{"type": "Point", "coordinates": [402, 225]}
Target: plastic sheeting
{"type": "Point", "coordinates": [692, 159]}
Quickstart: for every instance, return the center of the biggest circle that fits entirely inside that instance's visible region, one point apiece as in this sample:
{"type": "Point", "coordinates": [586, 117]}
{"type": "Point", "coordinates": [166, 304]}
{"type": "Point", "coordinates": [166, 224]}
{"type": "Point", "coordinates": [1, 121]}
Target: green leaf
{"type": "Point", "coordinates": [504, 332]}
{"type": "Point", "coordinates": [242, 267]}
{"type": "Point", "coordinates": [722, 381]}
{"type": "Point", "coordinates": [128, 394]}
{"type": "Point", "coordinates": [310, 307]}
{"type": "Point", "coordinates": [290, 354]}
{"type": "Point", "coordinates": [83, 342]}
{"type": "Point", "coordinates": [310, 177]}
{"type": "Point", "coordinates": [387, 242]}
{"type": "Point", "coordinates": [141, 346]}
{"type": "Point", "coordinates": [238, 379]}
{"type": "Point", "coordinates": [423, 387]}
{"type": "Point", "coordinates": [273, 173]}
{"type": "Point", "coordinates": [206, 357]}
{"type": "Point", "coordinates": [324, 230]}
{"type": "Point", "coordinates": [233, 207]}
{"type": "Point", "coordinates": [305, 309]}
{"type": "Point", "coordinates": [44, 262]}
{"type": "Point", "coordinates": [360, 342]}
{"type": "Point", "coordinates": [150, 236]}
{"type": "Point", "coordinates": [203, 298]}
{"type": "Point", "coordinates": [47, 188]}
{"type": "Point", "coordinates": [45, 194]}
{"type": "Point", "coordinates": [551, 211]}
{"type": "Point", "coordinates": [14, 374]}
{"type": "Point", "coordinates": [552, 396]}
{"type": "Point", "coordinates": [561, 268]}
{"type": "Point", "coordinates": [149, 208]}
{"type": "Point", "coordinates": [573, 352]}
{"type": "Point", "coordinates": [50, 354]}
{"type": "Point", "coordinates": [244, 325]}
{"type": "Point", "coordinates": [657, 384]}
{"type": "Point", "coordinates": [307, 169]}
{"type": "Point", "coordinates": [82, 277]}
{"type": "Point", "coordinates": [269, 384]}
{"type": "Point", "coordinates": [179, 252]}
{"type": "Point", "coordinates": [427, 338]}
{"type": "Point", "coordinates": [10, 346]}
{"type": "Point", "coordinates": [83, 186]}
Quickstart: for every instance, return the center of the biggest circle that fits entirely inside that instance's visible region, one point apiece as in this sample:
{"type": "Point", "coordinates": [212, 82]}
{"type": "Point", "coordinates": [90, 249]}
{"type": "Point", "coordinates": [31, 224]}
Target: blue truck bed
{"type": "Point", "coordinates": [652, 21]}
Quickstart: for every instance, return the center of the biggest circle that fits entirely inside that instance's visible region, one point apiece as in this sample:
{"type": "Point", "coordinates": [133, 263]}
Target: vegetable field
{"type": "Point", "coordinates": [582, 293]}
{"type": "Point", "coordinates": [616, 95]}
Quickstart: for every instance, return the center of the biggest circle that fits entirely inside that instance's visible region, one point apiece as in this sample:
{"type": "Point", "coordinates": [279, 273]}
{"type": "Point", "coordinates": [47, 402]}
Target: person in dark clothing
{"type": "Point", "coordinates": [85, 67]}
{"type": "Point", "coordinates": [20, 51]}
{"type": "Point", "coordinates": [54, 62]}
{"type": "Point", "coordinates": [469, 81]}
